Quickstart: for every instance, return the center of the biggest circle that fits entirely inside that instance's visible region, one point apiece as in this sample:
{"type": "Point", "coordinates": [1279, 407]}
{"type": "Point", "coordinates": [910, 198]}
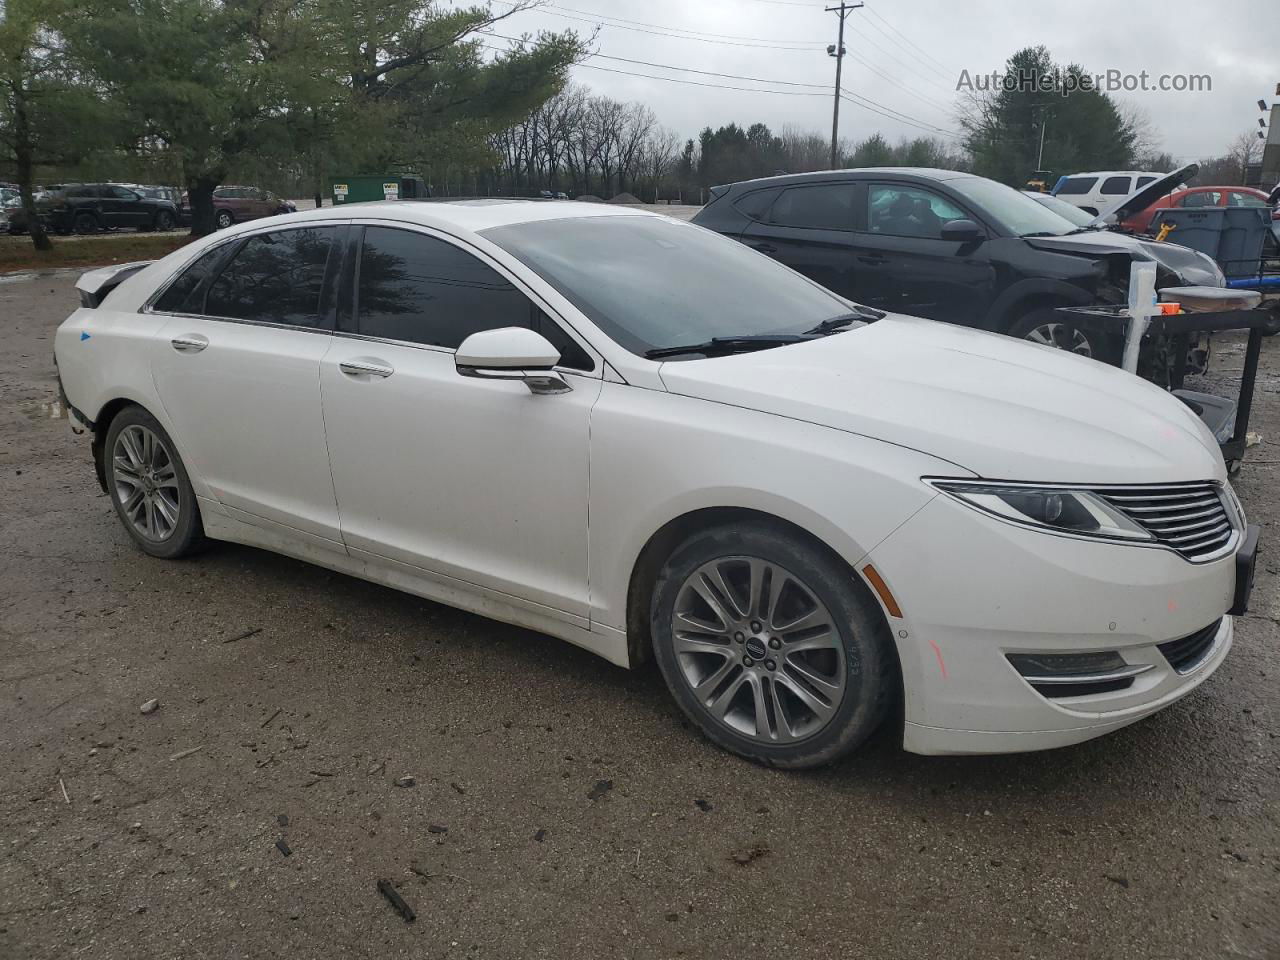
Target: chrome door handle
{"type": "Point", "coordinates": [192, 343]}
{"type": "Point", "coordinates": [370, 368]}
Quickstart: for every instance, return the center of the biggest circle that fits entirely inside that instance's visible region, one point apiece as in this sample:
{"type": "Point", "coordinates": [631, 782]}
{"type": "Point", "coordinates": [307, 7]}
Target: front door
{"type": "Point", "coordinates": [904, 265]}
{"type": "Point", "coordinates": [479, 481]}
{"type": "Point", "coordinates": [238, 371]}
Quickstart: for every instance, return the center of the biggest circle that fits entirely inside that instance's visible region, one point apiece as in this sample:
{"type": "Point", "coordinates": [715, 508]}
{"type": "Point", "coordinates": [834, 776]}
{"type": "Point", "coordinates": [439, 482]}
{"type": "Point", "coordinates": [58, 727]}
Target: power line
{"type": "Point", "coordinates": [865, 103]}
{"type": "Point", "coordinates": [663, 26]}
{"type": "Point", "coordinates": [910, 67]}
{"type": "Point", "coordinates": [668, 66]}
{"type": "Point", "coordinates": [912, 54]}
{"type": "Point", "coordinates": [600, 22]}
{"type": "Point", "coordinates": [695, 83]}
{"type": "Point", "coordinates": [899, 84]}
{"type": "Point", "coordinates": [949, 70]}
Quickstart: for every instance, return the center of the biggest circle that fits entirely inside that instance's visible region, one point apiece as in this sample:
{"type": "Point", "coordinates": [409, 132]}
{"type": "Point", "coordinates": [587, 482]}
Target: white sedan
{"type": "Point", "coordinates": [651, 441]}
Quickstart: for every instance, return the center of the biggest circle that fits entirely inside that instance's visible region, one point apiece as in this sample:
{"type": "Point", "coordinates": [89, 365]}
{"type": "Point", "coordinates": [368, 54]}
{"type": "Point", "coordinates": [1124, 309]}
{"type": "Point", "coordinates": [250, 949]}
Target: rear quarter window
{"type": "Point", "coordinates": [757, 203]}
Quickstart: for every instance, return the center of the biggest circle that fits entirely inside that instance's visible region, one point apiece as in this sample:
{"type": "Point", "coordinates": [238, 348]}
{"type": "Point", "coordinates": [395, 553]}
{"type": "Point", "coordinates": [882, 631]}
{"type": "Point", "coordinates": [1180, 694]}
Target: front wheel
{"type": "Point", "coordinates": [164, 221]}
{"type": "Point", "coordinates": [223, 219]}
{"type": "Point", "coordinates": [774, 649]}
{"type": "Point", "coordinates": [1046, 327]}
{"type": "Point", "coordinates": [149, 486]}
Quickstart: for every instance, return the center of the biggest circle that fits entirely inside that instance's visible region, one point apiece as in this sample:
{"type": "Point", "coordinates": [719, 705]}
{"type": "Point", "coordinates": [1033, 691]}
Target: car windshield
{"type": "Point", "coordinates": [1063, 209]}
{"type": "Point", "coordinates": [651, 283]}
{"type": "Point", "coordinates": [1012, 209]}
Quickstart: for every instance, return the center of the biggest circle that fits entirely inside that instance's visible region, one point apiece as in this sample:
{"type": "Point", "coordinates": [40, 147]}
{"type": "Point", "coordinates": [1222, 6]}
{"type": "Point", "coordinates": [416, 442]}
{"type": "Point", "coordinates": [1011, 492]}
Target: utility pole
{"type": "Point", "coordinates": [837, 51]}
{"type": "Point", "coordinates": [1044, 119]}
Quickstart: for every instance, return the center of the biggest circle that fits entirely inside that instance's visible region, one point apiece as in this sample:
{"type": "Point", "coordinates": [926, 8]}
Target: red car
{"type": "Point", "coordinates": [1197, 197]}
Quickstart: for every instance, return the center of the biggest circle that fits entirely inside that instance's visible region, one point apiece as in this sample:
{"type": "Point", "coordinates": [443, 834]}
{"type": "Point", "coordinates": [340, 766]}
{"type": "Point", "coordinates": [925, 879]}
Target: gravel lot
{"type": "Point", "coordinates": [560, 807]}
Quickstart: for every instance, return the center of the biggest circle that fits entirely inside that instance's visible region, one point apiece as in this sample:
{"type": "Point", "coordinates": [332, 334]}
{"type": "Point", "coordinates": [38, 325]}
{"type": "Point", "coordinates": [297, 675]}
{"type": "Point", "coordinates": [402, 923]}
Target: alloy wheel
{"type": "Point", "coordinates": [146, 482]}
{"type": "Point", "coordinates": [758, 649]}
{"type": "Point", "coordinates": [1061, 336]}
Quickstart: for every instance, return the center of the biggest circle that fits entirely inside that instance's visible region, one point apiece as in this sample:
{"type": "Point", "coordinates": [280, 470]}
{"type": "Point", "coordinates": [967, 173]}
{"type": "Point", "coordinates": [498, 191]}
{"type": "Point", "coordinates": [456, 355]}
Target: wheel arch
{"type": "Point", "coordinates": [663, 542]}
{"type": "Point", "coordinates": [1024, 297]}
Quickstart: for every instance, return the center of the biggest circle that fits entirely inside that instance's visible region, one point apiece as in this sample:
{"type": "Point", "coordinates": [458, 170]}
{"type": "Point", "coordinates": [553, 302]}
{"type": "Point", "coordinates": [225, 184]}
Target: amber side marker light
{"type": "Point", "coordinates": [882, 588]}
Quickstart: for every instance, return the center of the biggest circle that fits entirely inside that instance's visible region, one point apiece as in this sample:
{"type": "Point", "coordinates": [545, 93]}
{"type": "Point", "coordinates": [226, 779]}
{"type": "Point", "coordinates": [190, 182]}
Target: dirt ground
{"type": "Point", "coordinates": [560, 808]}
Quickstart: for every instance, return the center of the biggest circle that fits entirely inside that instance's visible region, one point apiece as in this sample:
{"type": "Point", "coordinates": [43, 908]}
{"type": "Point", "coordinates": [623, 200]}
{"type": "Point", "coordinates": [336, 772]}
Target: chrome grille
{"type": "Point", "coordinates": [1191, 518]}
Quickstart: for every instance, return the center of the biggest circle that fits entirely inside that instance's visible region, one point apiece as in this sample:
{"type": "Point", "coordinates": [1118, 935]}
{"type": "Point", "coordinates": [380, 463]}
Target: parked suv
{"type": "Point", "coordinates": [90, 207]}
{"type": "Point", "coordinates": [946, 245]}
{"type": "Point", "coordinates": [236, 204]}
{"type": "Point", "coordinates": [1099, 193]}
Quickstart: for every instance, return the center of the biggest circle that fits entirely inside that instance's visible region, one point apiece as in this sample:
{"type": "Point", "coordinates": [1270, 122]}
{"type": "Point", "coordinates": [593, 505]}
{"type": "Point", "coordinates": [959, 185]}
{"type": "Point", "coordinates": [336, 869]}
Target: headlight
{"type": "Point", "coordinates": [1058, 510]}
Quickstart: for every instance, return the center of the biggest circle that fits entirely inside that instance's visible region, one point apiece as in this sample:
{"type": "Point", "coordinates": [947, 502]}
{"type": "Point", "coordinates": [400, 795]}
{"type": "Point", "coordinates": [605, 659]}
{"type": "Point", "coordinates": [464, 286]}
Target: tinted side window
{"type": "Point", "coordinates": [81, 192]}
{"type": "Point", "coordinates": [274, 278]}
{"type": "Point", "coordinates": [120, 193]}
{"type": "Point", "coordinates": [186, 293]}
{"type": "Point", "coordinates": [823, 206]}
{"type": "Point", "coordinates": [1143, 181]}
{"type": "Point", "coordinates": [756, 204]}
{"type": "Point", "coordinates": [1116, 185]}
{"type": "Point", "coordinates": [1076, 186]}
{"type": "Point", "coordinates": [419, 289]}
{"type": "Point", "coordinates": [909, 212]}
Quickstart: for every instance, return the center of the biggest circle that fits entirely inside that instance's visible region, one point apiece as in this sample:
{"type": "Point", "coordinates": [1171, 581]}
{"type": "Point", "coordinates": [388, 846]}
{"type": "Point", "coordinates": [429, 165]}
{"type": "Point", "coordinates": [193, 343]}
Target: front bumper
{"type": "Point", "coordinates": [973, 590]}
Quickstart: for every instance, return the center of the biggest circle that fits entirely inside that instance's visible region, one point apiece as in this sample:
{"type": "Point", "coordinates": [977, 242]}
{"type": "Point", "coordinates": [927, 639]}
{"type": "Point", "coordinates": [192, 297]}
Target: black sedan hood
{"type": "Point", "coordinates": [1191, 267]}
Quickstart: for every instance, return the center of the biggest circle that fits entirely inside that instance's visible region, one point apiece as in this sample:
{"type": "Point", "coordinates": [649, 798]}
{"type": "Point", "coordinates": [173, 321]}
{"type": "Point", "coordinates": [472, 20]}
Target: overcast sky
{"type": "Point", "coordinates": [907, 56]}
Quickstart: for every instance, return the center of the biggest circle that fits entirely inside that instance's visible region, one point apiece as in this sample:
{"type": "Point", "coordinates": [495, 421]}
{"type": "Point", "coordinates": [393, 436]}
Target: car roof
{"type": "Point", "coordinates": [472, 215]}
{"type": "Point", "coordinates": [858, 173]}
{"type": "Point", "coordinates": [1116, 173]}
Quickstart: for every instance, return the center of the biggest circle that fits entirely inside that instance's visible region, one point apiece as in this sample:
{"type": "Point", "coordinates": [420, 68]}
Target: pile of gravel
{"type": "Point", "coordinates": [624, 198]}
{"type": "Point", "coordinates": [589, 198]}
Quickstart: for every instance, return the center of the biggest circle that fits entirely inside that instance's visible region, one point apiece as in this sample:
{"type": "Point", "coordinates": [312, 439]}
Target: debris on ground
{"type": "Point", "coordinates": [151, 706]}
{"type": "Point", "coordinates": [540, 835]}
{"type": "Point", "coordinates": [64, 791]}
{"type": "Point", "coordinates": [283, 847]}
{"type": "Point", "coordinates": [703, 805]}
{"type": "Point", "coordinates": [283, 819]}
{"type": "Point", "coordinates": [748, 856]}
{"type": "Point", "coordinates": [270, 718]}
{"type": "Point", "coordinates": [600, 789]}
{"type": "Point", "coordinates": [388, 890]}
{"type": "Point", "coordinates": [186, 753]}
{"type": "Point", "coordinates": [243, 636]}
{"type": "Point", "coordinates": [436, 828]}
{"type": "Point", "coordinates": [406, 781]}
{"type": "Point", "coordinates": [1122, 881]}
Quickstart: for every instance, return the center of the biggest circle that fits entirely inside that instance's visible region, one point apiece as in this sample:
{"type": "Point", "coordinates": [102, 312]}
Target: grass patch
{"type": "Point", "coordinates": [16, 253]}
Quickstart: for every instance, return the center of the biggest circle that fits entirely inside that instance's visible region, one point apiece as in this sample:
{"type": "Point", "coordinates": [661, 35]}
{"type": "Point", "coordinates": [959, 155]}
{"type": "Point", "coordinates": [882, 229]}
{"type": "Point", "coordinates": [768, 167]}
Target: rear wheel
{"type": "Point", "coordinates": [149, 486]}
{"type": "Point", "coordinates": [85, 223]}
{"type": "Point", "coordinates": [164, 220]}
{"type": "Point", "coordinates": [773, 648]}
{"type": "Point", "coordinates": [223, 219]}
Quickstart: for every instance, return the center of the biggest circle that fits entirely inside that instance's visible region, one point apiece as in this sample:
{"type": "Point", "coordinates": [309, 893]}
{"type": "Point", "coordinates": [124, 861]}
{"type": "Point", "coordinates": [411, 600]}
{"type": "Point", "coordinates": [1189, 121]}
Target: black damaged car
{"type": "Point", "coordinates": [950, 246]}
{"type": "Point", "coordinates": [90, 207]}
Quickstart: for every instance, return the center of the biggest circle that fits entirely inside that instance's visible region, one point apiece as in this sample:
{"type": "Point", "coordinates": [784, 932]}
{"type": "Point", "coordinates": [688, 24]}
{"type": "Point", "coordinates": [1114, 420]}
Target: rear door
{"type": "Point", "coordinates": [809, 227]}
{"type": "Point", "coordinates": [238, 370]}
{"type": "Point", "coordinates": [904, 265]}
{"type": "Point", "coordinates": [1112, 190]}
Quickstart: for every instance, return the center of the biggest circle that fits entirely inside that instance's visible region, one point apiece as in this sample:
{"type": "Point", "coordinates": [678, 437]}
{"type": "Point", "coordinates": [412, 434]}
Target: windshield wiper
{"type": "Point", "coordinates": [1042, 233]}
{"type": "Point", "coordinates": [726, 345]}
{"type": "Point", "coordinates": [858, 314]}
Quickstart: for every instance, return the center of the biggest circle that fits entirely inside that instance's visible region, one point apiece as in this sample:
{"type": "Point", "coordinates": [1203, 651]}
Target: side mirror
{"type": "Point", "coordinates": [962, 231]}
{"type": "Point", "coordinates": [511, 353]}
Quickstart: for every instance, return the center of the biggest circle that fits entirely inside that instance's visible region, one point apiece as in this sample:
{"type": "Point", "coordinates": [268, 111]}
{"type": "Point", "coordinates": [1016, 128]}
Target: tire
{"type": "Point", "coordinates": [85, 223]}
{"type": "Point", "coordinates": [163, 221]}
{"type": "Point", "coordinates": [1045, 326]}
{"type": "Point", "coordinates": [223, 219]}
{"type": "Point", "coordinates": [854, 652]}
{"type": "Point", "coordinates": [145, 463]}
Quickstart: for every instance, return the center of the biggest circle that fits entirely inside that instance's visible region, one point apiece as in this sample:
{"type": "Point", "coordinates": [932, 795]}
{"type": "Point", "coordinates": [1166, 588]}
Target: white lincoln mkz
{"type": "Point", "coordinates": [651, 441]}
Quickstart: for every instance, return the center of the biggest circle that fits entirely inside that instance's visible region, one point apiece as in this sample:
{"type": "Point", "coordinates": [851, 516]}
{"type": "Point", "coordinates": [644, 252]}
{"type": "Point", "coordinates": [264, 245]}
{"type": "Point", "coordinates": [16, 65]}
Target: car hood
{"type": "Point", "coordinates": [1001, 408]}
{"type": "Point", "coordinates": [1144, 197]}
{"type": "Point", "coordinates": [1191, 267]}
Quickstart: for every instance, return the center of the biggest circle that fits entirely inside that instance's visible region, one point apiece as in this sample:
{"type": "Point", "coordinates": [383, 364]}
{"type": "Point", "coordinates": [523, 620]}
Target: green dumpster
{"type": "Point", "coordinates": [364, 187]}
